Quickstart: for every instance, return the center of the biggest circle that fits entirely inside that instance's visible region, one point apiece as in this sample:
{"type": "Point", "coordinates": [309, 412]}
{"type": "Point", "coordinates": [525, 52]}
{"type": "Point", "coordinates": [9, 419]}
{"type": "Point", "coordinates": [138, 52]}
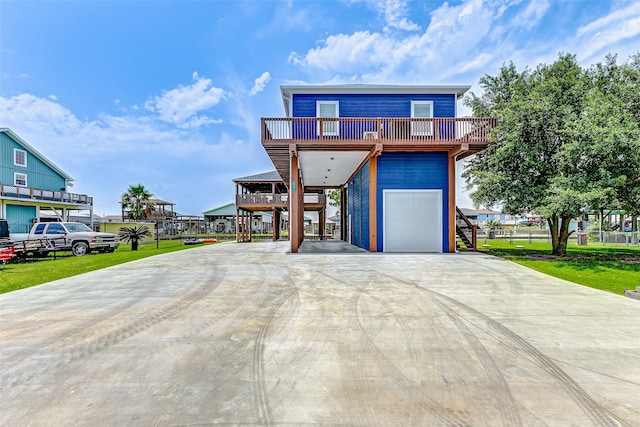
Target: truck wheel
{"type": "Point", "coordinates": [80, 249]}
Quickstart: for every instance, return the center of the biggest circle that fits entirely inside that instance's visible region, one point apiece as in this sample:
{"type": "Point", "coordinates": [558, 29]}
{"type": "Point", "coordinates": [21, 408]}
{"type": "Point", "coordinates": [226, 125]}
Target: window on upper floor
{"type": "Point", "coordinates": [19, 179]}
{"type": "Point", "coordinates": [327, 109]}
{"type": "Point", "coordinates": [19, 157]}
{"type": "Point", "coordinates": [421, 110]}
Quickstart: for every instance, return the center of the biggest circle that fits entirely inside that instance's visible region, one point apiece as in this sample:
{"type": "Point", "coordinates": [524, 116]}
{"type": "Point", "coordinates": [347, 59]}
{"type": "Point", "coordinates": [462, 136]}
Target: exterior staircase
{"type": "Point", "coordinates": [466, 232]}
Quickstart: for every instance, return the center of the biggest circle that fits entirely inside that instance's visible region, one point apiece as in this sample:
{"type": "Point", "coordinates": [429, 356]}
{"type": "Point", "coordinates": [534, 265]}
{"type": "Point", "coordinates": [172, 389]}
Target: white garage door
{"type": "Point", "coordinates": [412, 220]}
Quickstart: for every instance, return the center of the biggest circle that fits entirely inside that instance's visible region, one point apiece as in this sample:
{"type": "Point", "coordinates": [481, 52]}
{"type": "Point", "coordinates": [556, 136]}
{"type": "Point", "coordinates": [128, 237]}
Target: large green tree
{"type": "Point", "coordinates": [614, 106]}
{"type": "Point", "coordinates": [552, 153]}
{"type": "Point", "coordinates": [136, 201]}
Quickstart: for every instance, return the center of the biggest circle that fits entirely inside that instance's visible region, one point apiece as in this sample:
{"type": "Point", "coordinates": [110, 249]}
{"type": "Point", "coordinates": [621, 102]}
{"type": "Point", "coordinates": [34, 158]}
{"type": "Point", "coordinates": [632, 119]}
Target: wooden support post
{"type": "Point", "coordinates": [294, 206]}
{"type": "Point", "coordinates": [301, 211]}
{"type": "Point", "coordinates": [343, 215]}
{"type": "Point", "coordinates": [322, 223]}
{"type": "Point", "coordinates": [275, 224]}
{"type": "Point", "coordinates": [237, 224]}
{"type": "Point", "coordinates": [373, 213]}
{"type": "Point", "coordinates": [452, 204]}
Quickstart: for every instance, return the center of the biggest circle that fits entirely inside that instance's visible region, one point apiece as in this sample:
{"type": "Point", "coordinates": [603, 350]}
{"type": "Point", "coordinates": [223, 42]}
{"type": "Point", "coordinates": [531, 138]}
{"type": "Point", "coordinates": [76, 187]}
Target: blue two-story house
{"type": "Point", "coordinates": [30, 184]}
{"type": "Point", "coordinates": [390, 149]}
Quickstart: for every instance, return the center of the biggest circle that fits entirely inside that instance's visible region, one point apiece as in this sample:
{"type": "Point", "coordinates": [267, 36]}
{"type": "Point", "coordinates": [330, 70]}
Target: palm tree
{"type": "Point", "coordinates": [133, 235]}
{"type": "Point", "coordinates": [136, 201]}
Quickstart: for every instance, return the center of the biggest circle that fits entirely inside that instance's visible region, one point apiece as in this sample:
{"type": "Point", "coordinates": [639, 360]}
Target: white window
{"type": "Point", "coordinates": [327, 109]}
{"type": "Point", "coordinates": [421, 110]}
{"type": "Point", "coordinates": [19, 179]}
{"type": "Point", "coordinates": [19, 157]}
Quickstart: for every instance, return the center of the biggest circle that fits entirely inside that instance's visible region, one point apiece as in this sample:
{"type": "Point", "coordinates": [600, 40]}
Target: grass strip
{"type": "Point", "coordinates": [611, 268]}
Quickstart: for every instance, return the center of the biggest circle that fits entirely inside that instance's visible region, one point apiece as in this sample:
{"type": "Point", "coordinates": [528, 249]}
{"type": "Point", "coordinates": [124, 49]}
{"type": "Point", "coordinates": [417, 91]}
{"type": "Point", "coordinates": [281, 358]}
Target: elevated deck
{"type": "Point", "coordinates": [282, 137]}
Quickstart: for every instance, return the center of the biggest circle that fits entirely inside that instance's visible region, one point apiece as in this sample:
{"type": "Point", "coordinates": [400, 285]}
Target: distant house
{"type": "Point", "coordinates": [484, 215]}
{"type": "Point", "coordinates": [223, 220]}
{"type": "Point", "coordinates": [30, 184]}
{"type": "Point", "coordinates": [392, 152]}
{"type": "Point", "coordinates": [267, 192]}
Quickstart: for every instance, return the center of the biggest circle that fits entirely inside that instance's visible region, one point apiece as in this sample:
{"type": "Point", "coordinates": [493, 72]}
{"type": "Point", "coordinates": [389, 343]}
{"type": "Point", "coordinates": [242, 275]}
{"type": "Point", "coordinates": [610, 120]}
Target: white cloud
{"type": "Point", "coordinates": [532, 14]}
{"type": "Point", "coordinates": [610, 30]}
{"type": "Point", "coordinates": [181, 105]}
{"type": "Point", "coordinates": [476, 63]}
{"type": "Point", "coordinates": [106, 154]}
{"type": "Point", "coordinates": [627, 14]}
{"type": "Point", "coordinates": [454, 34]}
{"type": "Point", "coordinates": [260, 83]}
{"type": "Point", "coordinates": [394, 12]}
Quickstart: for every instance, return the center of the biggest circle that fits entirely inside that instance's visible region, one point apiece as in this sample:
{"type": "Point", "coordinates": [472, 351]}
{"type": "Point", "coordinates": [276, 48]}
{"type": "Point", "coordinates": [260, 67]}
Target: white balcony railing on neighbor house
{"type": "Point", "coordinates": [14, 191]}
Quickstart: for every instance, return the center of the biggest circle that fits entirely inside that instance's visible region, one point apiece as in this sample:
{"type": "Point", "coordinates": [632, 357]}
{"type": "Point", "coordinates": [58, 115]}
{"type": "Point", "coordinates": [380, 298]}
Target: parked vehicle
{"type": "Point", "coordinates": [4, 231]}
{"type": "Point", "coordinates": [76, 237]}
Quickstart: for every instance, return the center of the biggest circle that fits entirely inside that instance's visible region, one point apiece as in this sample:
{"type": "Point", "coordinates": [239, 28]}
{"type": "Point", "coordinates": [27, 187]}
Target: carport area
{"type": "Point", "coordinates": [249, 334]}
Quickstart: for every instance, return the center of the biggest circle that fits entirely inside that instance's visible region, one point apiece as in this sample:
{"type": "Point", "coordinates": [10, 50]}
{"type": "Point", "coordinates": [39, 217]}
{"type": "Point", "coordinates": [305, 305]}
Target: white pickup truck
{"type": "Point", "coordinates": [67, 236]}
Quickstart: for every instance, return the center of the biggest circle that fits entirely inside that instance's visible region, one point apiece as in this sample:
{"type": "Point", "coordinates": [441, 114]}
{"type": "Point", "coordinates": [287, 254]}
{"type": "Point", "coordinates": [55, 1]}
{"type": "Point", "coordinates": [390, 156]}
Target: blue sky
{"type": "Point", "coordinates": [170, 93]}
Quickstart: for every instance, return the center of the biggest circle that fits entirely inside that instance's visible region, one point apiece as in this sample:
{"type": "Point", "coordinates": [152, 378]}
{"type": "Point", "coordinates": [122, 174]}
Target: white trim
{"type": "Point", "coordinates": [15, 155]}
{"type": "Point", "coordinates": [288, 90]}
{"type": "Point", "coordinates": [23, 176]}
{"type": "Point", "coordinates": [327, 125]}
{"type": "Point", "coordinates": [421, 128]}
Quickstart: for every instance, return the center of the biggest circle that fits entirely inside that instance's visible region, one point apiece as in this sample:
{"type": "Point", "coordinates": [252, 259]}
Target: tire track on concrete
{"type": "Point", "coordinates": [224, 336]}
{"type": "Point", "coordinates": [70, 351]}
{"type": "Point", "coordinates": [501, 390]}
{"type": "Point", "coordinates": [599, 415]}
{"type": "Point", "coordinates": [506, 403]}
{"type": "Point", "coordinates": [261, 396]}
{"type": "Point", "coordinates": [440, 413]}
{"type": "Point", "coordinates": [416, 415]}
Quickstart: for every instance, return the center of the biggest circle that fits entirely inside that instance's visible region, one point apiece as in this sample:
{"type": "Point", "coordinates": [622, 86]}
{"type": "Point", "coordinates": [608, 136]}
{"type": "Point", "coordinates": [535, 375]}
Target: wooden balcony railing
{"type": "Point", "coordinates": [38, 194]}
{"type": "Point", "coordinates": [262, 200]}
{"type": "Point", "coordinates": [277, 200]}
{"type": "Point", "coordinates": [402, 131]}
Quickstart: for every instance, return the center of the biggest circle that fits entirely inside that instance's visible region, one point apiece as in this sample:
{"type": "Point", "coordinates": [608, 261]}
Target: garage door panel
{"type": "Point", "coordinates": [412, 220]}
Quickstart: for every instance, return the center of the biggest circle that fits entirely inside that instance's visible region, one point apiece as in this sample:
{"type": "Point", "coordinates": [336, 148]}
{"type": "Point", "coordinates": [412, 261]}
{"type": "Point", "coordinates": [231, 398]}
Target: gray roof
{"type": "Point", "coordinates": [161, 202]}
{"type": "Point", "coordinates": [272, 176]}
{"type": "Point", "coordinates": [473, 212]}
{"type": "Point", "coordinates": [226, 210]}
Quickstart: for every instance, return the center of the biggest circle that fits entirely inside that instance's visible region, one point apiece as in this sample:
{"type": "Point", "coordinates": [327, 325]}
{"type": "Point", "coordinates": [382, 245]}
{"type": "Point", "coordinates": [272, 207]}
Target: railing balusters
{"type": "Point", "coordinates": [39, 194]}
{"type": "Point", "coordinates": [419, 131]}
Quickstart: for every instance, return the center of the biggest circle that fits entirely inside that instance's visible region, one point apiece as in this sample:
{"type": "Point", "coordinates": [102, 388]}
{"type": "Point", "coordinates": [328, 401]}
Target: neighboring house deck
{"type": "Point", "coordinates": [30, 184]}
{"type": "Point", "coordinates": [267, 192]}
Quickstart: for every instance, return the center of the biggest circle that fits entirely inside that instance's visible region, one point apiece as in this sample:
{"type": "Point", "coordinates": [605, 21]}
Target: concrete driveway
{"type": "Point", "coordinates": [246, 334]}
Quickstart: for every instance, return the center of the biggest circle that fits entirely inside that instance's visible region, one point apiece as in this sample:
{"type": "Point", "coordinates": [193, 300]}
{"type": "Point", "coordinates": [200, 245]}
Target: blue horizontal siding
{"type": "Point", "coordinates": [413, 171]}
{"type": "Point", "coordinates": [39, 175]}
{"type": "Point", "coordinates": [358, 190]}
{"type": "Point", "coordinates": [371, 105]}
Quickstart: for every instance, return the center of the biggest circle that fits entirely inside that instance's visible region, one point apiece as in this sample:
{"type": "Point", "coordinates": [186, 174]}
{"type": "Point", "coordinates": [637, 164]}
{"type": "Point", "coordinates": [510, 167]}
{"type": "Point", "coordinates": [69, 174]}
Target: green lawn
{"type": "Point", "coordinates": [37, 271]}
{"type": "Point", "coordinates": [613, 267]}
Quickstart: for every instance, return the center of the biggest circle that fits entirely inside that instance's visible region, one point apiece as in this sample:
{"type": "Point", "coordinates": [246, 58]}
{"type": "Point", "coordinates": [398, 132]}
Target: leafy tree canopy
{"type": "Point", "coordinates": [567, 141]}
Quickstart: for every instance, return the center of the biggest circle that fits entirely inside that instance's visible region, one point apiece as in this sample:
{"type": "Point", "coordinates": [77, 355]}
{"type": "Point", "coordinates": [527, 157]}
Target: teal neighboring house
{"type": "Point", "coordinates": [30, 184]}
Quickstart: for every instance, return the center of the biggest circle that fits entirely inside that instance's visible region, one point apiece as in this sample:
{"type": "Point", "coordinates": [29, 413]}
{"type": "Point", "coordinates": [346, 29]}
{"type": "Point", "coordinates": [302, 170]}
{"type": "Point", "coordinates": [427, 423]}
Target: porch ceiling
{"type": "Point", "coordinates": [329, 168]}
